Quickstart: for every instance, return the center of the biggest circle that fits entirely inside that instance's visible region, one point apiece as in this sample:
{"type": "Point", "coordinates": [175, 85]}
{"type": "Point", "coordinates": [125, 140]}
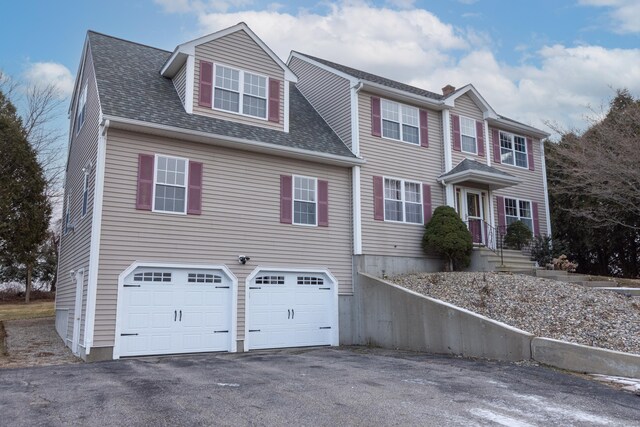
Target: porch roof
{"type": "Point", "coordinates": [478, 173]}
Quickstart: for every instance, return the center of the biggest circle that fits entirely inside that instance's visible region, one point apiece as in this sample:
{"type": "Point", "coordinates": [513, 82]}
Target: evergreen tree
{"type": "Point", "coordinates": [446, 235]}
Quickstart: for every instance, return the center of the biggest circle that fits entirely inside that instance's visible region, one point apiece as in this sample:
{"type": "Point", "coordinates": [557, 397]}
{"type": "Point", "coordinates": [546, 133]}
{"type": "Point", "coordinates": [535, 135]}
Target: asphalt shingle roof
{"type": "Point", "coordinates": [363, 75]}
{"type": "Point", "coordinates": [130, 86]}
{"type": "Point", "coordinates": [468, 164]}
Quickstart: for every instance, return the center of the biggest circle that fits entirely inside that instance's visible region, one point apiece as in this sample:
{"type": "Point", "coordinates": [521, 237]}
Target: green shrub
{"type": "Point", "coordinates": [446, 235]}
{"type": "Point", "coordinates": [544, 250]}
{"type": "Point", "coordinates": [518, 235]}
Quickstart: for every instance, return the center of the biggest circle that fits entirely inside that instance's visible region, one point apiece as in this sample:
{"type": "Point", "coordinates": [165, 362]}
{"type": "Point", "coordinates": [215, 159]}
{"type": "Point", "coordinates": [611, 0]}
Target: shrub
{"type": "Point", "coordinates": [544, 250]}
{"type": "Point", "coordinates": [518, 235]}
{"type": "Point", "coordinates": [446, 235]}
{"type": "Point", "coordinates": [563, 263]}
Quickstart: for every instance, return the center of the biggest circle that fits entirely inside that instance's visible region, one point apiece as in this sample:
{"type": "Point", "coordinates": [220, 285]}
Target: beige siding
{"type": "Point", "coordinates": [328, 93]}
{"type": "Point", "coordinates": [464, 106]}
{"type": "Point", "coordinates": [75, 245]}
{"type": "Point", "coordinates": [180, 82]}
{"type": "Point", "coordinates": [241, 215]}
{"type": "Point", "coordinates": [396, 159]}
{"type": "Point", "coordinates": [238, 50]}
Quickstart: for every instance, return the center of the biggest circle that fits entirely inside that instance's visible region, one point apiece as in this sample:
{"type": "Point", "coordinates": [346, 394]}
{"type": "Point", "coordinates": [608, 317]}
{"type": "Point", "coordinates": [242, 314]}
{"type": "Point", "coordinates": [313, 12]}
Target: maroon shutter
{"type": "Point", "coordinates": [145, 181]}
{"type": "Point", "coordinates": [480, 136]}
{"type": "Point", "coordinates": [274, 100]}
{"type": "Point", "coordinates": [424, 128]}
{"type": "Point", "coordinates": [286, 205]}
{"type": "Point", "coordinates": [378, 198]}
{"type": "Point", "coordinates": [456, 132]}
{"type": "Point", "coordinates": [496, 145]}
{"type": "Point", "coordinates": [323, 203]}
{"type": "Point", "coordinates": [376, 118]}
{"type": "Point", "coordinates": [536, 220]}
{"type": "Point", "coordinates": [426, 202]}
{"type": "Point", "coordinates": [530, 154]}
{"type": "Point", "coordinates": [194, 197]}
{"type": "Point", "coordinates": [501, 214]}
{"type": "Point", "coordinates": [205, 93]}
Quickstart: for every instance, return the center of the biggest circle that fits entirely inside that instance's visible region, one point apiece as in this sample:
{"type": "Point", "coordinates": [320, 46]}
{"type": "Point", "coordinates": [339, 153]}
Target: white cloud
{"type": "Point", "coordinates": [46, 73]}
{"type": "Point", "coordinates": [625, 14]}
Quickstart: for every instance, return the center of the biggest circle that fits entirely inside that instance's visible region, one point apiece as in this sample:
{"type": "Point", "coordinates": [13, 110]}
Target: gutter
{"type": "Point", "coordinates": [377, 87]}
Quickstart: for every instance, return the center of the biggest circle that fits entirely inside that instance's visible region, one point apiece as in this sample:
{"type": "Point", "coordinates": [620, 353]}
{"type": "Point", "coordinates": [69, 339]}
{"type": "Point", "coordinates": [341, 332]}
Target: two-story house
{"type": "Point", "coordinates": [218, 199]}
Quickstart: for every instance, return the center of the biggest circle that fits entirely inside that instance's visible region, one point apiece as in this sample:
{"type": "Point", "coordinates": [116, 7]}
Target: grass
{"type": "Point", "coordinates": [33, 310]}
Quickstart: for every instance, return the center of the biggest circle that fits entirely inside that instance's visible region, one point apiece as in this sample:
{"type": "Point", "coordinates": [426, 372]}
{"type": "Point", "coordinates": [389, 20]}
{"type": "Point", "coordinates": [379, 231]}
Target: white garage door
{"type": "Point", "coordinates": [175, 310]}
{"type": "Point", "coordinates": [291, 309]}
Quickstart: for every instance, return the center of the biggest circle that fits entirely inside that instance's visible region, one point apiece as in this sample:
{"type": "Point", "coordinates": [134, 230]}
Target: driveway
{"type": "Point", "coordinates": [320, 386]}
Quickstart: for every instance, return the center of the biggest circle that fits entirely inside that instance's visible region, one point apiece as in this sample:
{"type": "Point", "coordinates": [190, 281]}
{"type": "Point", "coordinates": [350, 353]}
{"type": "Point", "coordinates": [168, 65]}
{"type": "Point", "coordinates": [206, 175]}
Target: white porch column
{"type": "Point", "coordinates": [450, 196]}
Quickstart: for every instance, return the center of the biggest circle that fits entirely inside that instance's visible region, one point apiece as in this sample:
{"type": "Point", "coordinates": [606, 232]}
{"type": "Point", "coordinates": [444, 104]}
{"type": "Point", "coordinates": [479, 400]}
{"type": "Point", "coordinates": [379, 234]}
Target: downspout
{"type": "Point", "coordinates": [355, 176]}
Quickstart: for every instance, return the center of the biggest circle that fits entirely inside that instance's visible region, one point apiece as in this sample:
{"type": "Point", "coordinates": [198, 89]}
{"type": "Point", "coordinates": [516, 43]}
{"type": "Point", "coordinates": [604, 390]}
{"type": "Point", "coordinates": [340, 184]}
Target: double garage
{"type": "Point", "coordinates": [173, 309]}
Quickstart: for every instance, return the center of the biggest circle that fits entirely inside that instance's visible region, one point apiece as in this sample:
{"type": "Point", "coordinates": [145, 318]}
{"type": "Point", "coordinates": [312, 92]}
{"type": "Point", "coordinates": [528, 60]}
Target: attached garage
{"type": "Point", "coordinates": [170, 309]}
{"type": "Point", "coordinates": [291, 308]}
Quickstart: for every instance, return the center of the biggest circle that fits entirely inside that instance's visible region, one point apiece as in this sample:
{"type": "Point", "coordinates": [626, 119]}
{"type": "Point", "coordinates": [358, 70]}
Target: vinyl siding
{"type": "Point", "coordinates": [464, 106]}
{"type": "Point", "coordinates": [180, 82]}
{"type": "Point", "coordinates": [238, 50]}
{"type": "Point", "coordinates": [329, 94]}
{"type": "Point", "coordinates": [396, 159]}
{"type": "Point", "coordinates": [240, 215]}
{"type": "Point", "coordinates": [75, 245]}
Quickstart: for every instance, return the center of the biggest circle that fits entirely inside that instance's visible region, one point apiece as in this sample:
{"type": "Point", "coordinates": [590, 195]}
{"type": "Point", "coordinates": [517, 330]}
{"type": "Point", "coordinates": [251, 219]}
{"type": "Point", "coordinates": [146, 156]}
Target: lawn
{"type": "Point", "coordinates": [17, 311]}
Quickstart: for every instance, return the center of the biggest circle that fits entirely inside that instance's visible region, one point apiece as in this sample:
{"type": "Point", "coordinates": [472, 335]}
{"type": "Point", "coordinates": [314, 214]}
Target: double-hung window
{"type": "Point", "coordinates": [240, 92]}
{"type": "Point", "coordinates": [513, 150]}
{"type": "Point", "coordinates": [468, 139]}
{"type": "Point", "coordinates": [402, 201]}
{"type": "Point", "coordinates": [81, 109]}
{"type": "Point", "coordinates": [400, 122]}
{"type": "Point", "coordinates": [170, 184]}
{"type": "Point", "coordinates": [305, 202]}
{"type": "Point", "coordinates": [518, 210]}
{"type": "Point", "coordinates": [85, 193]}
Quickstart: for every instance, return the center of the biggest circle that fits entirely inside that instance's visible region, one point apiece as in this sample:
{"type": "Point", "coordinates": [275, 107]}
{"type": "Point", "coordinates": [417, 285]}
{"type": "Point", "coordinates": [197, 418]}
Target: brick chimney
{"type": "Point", "coordinates": [448, 90]}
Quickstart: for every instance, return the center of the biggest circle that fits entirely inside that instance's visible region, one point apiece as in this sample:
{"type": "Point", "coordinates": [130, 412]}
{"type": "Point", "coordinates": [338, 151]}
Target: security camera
{"type": "Point", "coordinates": [242, 259]}
{"type": "Point", "coordinates": [72, 273]}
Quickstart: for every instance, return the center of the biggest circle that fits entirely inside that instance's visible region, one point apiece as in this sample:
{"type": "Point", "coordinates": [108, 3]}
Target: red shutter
{"type": "Point", "coordinates": [530, 154]}
{"type": "Point", "coordinates": [286, 204]}
{"type": "Point", "coordinates": [495, 135]}
{"type": "Point", "coordinates": [274, 100]}
{"type": "Point", "coordinates": [194, 198]}
{"type": "Point", "coordinates": [426, 202]}
{"type": "Point", "coordinates": [378, 198]}
{"type": "Point", "coordinates": [480, 136]}
{"type": "Point", "coordinates": [145, 181]}
{"type": "Point", "coordinates": [205, 92]}
{"type": "Point", "coordinates": [501, 214]}
{"type": "Point", "coordinates": [424, 128]}
{"type": "Point", "coordinates": [376, 118]}
{"type": "Point", "coordinates": [323, 203]}
{"type": "Point", "coordinates": [536, 219]}
{"type": "Point", "coordinates": [456, 132]}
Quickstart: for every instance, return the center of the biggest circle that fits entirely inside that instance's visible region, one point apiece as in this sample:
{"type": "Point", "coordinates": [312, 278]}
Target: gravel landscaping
{"type": "Point", "coordinates": [545, 308]}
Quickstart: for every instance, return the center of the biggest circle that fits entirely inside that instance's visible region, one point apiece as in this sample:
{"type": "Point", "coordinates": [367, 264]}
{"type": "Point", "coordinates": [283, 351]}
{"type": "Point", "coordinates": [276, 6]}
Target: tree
{"type": "Point", "coordinates": [446, 235]}
{"type": "Point", "coordinates": [24, 207]}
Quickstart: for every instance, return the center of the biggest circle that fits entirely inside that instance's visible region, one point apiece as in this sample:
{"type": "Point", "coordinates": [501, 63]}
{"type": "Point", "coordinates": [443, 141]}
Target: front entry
{"type": "Point", "coordinates": [470, 204]}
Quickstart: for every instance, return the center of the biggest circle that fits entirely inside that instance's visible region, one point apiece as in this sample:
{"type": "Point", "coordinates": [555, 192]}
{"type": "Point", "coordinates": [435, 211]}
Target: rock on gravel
{"type": "Point", "coordinates": [543, 307]}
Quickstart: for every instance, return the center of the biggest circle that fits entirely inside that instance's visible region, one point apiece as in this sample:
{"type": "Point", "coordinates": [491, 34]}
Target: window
{"type": "Point", "coordinates": [513, 150]}
{"type": "Point", "coordinates": [468, 135]}
{"type": "Point", "coordinates": [400, 122]}
{"type": "Point", "coordinates": [81, 109]}
{"type": "Point", "coordinates": [310, 280]}
{"type": "Point", "coordinates": [203, 278]}
{"type": "Point", "coordinates": [402, 201]}
{"type": "Point", "coordinates": [304, 200]}
{"type": "Point", "coordinates": [85, 193]}
{"type": "Point", "coordinates": [518, 210]}
{"type": "Point", "coordinates": [152, 276]}
{"type": "Point", "coordinates": [170, 185]}
{"type": "Point", "coordinates": [270, 280]}
{"type": "Point", "coordinates": [231, 86]}
{"type": "Point", "coordinates": [67, 215]}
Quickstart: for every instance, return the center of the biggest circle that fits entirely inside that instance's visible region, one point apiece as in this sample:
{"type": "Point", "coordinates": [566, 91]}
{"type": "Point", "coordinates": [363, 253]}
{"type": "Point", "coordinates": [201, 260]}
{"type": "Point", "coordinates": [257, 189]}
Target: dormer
{"type": "Point", "coordinates": [232, 75]}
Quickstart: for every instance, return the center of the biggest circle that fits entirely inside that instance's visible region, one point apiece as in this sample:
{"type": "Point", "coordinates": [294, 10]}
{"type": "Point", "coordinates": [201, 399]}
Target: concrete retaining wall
{"type": "Point", "coordinates": [387, 266]}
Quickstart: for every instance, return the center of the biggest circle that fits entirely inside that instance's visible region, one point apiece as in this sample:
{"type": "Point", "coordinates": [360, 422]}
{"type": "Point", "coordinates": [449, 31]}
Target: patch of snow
{"type": "Point", "coordinates": [228, 384]}
{"type": "Point", "coordinates": [500, 419]}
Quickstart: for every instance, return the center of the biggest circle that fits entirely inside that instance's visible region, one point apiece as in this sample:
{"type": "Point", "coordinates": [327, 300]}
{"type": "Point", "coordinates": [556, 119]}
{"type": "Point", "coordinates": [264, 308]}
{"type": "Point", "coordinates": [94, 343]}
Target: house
{"type": "Point", "coordinates": [218, 199]}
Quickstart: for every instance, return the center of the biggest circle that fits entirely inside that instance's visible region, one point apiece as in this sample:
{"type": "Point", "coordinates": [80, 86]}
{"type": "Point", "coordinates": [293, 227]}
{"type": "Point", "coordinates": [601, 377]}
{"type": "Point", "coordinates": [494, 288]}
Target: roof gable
{"type": "Point", "coordinates": [475, 96]}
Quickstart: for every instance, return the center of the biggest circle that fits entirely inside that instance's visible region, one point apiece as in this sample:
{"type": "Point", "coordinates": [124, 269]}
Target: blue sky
{"type": "Point", "coordinates": [536, 61]}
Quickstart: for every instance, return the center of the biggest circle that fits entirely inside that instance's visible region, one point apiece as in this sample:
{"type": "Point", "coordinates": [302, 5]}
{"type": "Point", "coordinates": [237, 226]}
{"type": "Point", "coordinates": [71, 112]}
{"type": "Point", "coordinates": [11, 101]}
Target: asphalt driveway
{"type": "Point", "coordinates": [321, 386]}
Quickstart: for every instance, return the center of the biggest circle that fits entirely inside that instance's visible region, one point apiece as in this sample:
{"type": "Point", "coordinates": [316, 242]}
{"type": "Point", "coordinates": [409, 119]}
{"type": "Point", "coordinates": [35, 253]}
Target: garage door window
{"type": "Point", "coordinates": [270, 280]}
{"type": "Point", "coordinates": [310, 280]}
{"type": "Point", "coordinates": [203, 278]}
{"type": "Point", "coordinates": [152, 276]}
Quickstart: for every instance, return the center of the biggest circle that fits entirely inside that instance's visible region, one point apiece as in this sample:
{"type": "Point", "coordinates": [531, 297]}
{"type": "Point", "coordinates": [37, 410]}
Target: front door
{"type": "Point", "coordinates": [471, 209]}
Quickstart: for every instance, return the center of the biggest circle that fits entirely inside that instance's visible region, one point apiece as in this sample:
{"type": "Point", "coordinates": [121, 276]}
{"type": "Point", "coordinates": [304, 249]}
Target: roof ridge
{"type": "Point", "coordinates": [127, 41]}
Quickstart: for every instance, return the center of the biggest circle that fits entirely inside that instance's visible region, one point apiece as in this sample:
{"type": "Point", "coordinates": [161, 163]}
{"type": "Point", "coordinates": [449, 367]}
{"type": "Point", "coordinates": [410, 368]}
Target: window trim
{"type": "Point", "coordinates": [513, 149]}
{"type": "Point", "coordinates": [518, 207]}
{"type": "Point", "coordinates": [403, 200]}
{"type": "Point", "coordinates": [155, 179]}
{"type": "Point", "coordinates": [475, 135]}
{"type": "Point", "coordinates": [382, 119]}
{"type": "Point", "coordinates": [240, 91]}
{"type": "Point", "coordinates": [85, 194]}
{"type": "Point", "coordinates": [81, 108]}
{"type": "Point", "coordinates": [293, 200]}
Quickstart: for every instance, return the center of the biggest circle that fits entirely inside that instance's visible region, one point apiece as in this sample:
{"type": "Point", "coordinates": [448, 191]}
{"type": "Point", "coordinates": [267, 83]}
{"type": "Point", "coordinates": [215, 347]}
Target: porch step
{"type": "Point", "coordinates": [512, 261]}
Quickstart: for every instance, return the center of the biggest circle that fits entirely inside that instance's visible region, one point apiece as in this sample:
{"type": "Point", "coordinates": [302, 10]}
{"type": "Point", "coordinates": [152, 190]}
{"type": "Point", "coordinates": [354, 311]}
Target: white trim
{"type": "Point", "coordinates": [543, 165]}
{"type": "Point", "coordinates": [487, 177]}
{"type": "Point", "coordinates": [96, 229]}
{"type": "Point", "coordinates": [293, 199]}
{"type": "Point", "coordinates": [352, 80]}
{"type": "Point", "coordinates": [286, 106]}
{"type": "Point", "coordinates": [400, 122]}
{"type": "Point", "coordinates": [189, 82]}
{"type": "Point", "coordinates": [518, 200]}
{"type": "Point", "coordinates": [186, 184]}
{"type": "Point", "coordinates": [512, 126]}
{"type": "Point", "coordinates": [450, 195]}
{"type": "Point", "coordinates": [475, 96]}
{"type": "Point", "coordinates": [321, 270]}
{"type": "Point", "coordinates": [355, 118]}
{"type": "Point", "coordinates": [84, 208]}
{"type": "Point", "coordinates": [487, 143]}
{"type": "Point", "coordinates": [420, 100]}
{"type": "Point", "coordinates": [513, 149]}
{"type": "Point", "coordinates": [403, 200]}
{"type": "Point", "coordinates": [136, 264]}
{"type": "Point", "coordinates": [446, 133]}
{"type": "Point", "coordinates": [241, 94]}
{"type": "Point", "coordinates": [357, 212]}
{"type": "Point", "coordinates": [475, 135]}
{"type": "Point", "coordinates": [492, 220]}
{"type": "Point", "coordinates": [231, 142]}
{"type": "Point", "coordinates": [77, 310]}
